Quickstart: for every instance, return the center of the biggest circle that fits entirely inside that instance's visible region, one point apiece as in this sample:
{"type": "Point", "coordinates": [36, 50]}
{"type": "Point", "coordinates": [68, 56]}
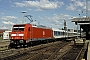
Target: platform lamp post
{"type": "Point", "coordinates": [23, 15]}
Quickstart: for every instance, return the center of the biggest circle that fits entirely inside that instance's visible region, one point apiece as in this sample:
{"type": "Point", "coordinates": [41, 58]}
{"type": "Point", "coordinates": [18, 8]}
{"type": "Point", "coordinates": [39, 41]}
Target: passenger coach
{"type": "Point", "coordinates": [57, 33]}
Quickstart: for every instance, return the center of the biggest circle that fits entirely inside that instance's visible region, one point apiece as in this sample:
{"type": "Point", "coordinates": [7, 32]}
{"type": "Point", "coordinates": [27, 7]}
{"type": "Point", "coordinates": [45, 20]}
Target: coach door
{"type": "Point", "coordinates": [29, 33]}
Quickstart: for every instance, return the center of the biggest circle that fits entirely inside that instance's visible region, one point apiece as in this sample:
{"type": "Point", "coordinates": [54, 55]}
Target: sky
{"type": "Point", "coordinates": [51, 13]}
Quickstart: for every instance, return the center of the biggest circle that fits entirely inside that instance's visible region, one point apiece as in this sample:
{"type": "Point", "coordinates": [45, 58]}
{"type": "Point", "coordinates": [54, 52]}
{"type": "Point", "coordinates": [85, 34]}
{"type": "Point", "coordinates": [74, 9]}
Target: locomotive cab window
{"type": "Point", "coordinates": [18, 27]}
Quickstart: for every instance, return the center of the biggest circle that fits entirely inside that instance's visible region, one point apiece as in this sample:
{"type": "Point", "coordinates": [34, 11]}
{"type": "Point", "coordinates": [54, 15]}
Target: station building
{"type": "Point", "coordinates": [84, 24]}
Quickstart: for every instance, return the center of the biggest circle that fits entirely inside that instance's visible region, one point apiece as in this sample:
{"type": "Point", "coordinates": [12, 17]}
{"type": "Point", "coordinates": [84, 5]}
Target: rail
{"type": "Point", "coordinates": [37, 53]}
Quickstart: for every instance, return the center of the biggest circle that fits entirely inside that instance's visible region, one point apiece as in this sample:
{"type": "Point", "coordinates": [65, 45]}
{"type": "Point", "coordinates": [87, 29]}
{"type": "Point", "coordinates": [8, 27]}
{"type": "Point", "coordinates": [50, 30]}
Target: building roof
{"type": "Point", "coordinates": [81, 19]}
{"type": "Point", "coordinates": [83, 22]}
{"type": "Point", "coordinates": [3, 30]}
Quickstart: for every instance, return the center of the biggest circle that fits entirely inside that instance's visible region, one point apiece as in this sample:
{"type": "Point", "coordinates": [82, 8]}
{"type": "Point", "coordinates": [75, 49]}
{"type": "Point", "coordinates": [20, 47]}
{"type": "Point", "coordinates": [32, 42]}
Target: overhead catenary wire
{"type": "Point", "coordinates": [48, 10]}
{"type": "Point", "coordinates": [86, 8]}
{"type": "Point", "coordinates": [56, 10]}
{"type": "Point", "coordinates": [83, 11]}
{"type": "Point", "coordinates": [10, 10]}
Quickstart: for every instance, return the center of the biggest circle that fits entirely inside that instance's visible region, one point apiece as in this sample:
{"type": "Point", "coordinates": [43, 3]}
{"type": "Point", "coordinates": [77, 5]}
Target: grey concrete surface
{"type": "Point", "coordinates": [88, 54]}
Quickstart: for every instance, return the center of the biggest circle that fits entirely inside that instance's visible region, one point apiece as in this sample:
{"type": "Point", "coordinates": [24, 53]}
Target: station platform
{"type": "Point", "coordinates": [88, 54]}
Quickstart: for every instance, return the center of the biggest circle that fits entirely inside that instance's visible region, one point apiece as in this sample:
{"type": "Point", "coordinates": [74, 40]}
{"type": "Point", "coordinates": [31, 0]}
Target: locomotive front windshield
{"type": "Point", "coordinates": [18, 27]}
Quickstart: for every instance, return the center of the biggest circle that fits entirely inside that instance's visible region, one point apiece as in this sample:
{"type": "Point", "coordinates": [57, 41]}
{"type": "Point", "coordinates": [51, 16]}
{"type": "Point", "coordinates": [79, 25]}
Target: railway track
{"type": "Point", "coordinates": [9, 52]}
{"type": "Point", "coordinates": [4, 45]}
{"type": "Point", "coordinates": [59, 50]}
{"type": "Point", "coordinates": [47, 53]}
{"type": "Point", "coordinates": [77, 52]}
{"type": "Point", "coordinates": [42, 52]}
{"type": "Point", "coordinates": [73, 54]}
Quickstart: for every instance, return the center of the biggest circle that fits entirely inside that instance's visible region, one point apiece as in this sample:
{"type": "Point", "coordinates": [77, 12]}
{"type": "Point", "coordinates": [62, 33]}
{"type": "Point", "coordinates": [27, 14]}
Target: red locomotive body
{"type": "Point", "coordinates": [25, 33]}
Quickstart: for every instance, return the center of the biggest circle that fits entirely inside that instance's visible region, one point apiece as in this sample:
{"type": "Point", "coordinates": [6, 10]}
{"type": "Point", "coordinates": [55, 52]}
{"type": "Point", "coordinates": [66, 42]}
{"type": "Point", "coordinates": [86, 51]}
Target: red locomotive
{"type": "Point", "coordinates": [23, 34]}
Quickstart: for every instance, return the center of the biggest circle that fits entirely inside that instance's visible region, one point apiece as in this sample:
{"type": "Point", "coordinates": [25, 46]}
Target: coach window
{"type": "Point", "coordinates": [58, 33]}
{"type": "Point", "coordinates": [54, 33]}
{"type": "Point", "coordinates": [63, 33]}
{"type": "Point", "coordinates": [29, 29]}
